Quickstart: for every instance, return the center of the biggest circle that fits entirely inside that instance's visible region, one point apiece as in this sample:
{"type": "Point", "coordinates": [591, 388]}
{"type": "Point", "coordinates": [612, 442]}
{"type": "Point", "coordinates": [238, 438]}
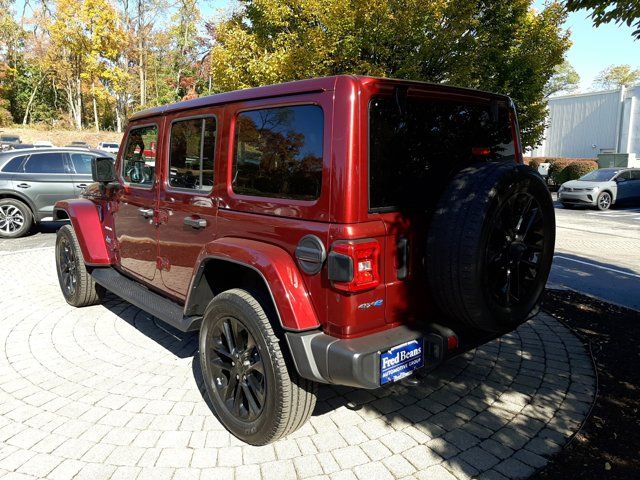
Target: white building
{"type": "Point", "coordinates": [584, 125]}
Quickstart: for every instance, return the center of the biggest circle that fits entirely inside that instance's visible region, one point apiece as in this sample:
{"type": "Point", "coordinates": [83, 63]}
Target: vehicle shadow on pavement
{"type": "Point", "coordinates": [499, 410]}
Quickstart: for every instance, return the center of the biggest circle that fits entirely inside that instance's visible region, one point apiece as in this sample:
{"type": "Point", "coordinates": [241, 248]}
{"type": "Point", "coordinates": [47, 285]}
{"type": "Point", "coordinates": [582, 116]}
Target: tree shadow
{"type": "Point", "coordinates": [506, 405]}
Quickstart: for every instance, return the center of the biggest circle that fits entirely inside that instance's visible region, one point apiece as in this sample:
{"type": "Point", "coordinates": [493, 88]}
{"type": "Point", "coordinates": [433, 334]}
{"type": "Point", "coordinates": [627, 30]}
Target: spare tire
{"type": "Point", "coordinates": [490, 245]}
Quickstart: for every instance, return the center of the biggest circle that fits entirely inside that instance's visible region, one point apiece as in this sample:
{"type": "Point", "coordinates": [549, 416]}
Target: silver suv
{"type": "Point", "coordinates": [602, 189]}
{"type": "Point", "coordinates": [32, 181]}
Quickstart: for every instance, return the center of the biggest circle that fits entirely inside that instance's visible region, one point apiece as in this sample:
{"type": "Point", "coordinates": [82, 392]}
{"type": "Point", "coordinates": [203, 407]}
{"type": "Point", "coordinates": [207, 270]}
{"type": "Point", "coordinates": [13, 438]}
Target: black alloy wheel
{"type": "Point", "coordinates": [514, 249]}
{"type": "Point", "coordinates": [254, 393]}
{"type": "Point", "coordinates": [490, 246]}
{"type": "Point", "coordinates": [68, 264]}
{"type": "Point", "coordinates": [76, 282]}
{"type": "Point", "coordinates": [237, 368]}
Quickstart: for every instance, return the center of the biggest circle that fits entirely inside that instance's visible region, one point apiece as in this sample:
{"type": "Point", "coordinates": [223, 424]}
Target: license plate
{"type": "Point", "coordinates": [401, 360]}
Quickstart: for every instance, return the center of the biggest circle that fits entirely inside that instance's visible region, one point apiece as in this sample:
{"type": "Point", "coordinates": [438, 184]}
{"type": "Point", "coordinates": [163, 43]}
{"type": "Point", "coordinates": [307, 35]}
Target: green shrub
{"type": "Point", "coordinates": [575, 170]}
{"type": "Point", "coordinates": [533, 163]}
{"type": "Point", "coordinates": [563, 169]}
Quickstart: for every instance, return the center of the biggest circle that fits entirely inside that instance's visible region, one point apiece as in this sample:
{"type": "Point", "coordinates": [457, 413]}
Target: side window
{"type": "Point", "coordinates": [139, 157]}
{"type": "Point", "coordinates": [278, 152]}
{"type": "Point", "coordinates": [15, 164]}
{"type": "Point", "coordinates": [635, 174]}
{"type": "Point", "coordinates": [191, 154]}
{"type": "Point", "coordinates": [82, 162]}
{"type": "Point", "coordinates": [626, 175]}
{"type": "Point", "coordinates": [45, 163]}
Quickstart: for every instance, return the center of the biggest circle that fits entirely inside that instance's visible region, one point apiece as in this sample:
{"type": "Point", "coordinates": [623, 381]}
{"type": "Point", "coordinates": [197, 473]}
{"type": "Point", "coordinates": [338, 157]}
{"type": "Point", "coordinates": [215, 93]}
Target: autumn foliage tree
{"type": "Point", "coordinates": [502, 46]}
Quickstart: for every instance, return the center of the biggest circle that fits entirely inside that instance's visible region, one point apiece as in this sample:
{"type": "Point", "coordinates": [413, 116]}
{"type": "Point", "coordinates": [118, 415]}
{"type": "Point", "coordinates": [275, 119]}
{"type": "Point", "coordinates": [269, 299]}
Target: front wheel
{"type": "Point", "coordinates": [78, 287]}
{"type": "Point", "coordinates": [604, 201]}
{"type": "Point", "coordinates": [253, 392]}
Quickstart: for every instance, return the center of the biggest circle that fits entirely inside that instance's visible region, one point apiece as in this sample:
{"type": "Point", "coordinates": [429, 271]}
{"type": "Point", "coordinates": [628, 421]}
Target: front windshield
{"type": "Point", "coordinates": [599, 175]}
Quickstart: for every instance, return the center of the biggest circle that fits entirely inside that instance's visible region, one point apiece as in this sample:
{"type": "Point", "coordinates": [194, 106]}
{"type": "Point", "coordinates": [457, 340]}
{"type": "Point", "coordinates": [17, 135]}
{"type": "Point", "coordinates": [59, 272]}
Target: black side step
{"type": "Point", "coordinates": [134, 293]}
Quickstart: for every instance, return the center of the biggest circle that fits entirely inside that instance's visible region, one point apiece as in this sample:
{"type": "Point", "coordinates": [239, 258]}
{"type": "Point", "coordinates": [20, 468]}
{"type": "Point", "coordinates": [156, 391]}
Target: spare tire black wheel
{"type": "Point", "coordinates": [490, 245]}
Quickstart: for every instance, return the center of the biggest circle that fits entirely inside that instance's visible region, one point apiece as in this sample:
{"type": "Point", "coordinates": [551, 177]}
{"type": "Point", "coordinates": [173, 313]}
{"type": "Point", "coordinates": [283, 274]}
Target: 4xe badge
{"type": "Point", "coordinates": [365, 306]}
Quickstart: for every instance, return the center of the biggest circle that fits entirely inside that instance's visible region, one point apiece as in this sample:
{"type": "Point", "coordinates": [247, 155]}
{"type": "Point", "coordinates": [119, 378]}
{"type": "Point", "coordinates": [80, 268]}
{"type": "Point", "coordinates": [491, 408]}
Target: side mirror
{"type": "Point", "coordinates": [103, 169]}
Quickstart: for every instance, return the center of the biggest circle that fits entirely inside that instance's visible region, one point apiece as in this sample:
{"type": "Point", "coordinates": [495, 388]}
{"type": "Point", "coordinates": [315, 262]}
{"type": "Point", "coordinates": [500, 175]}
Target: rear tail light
{"type": "Point", "coordinates": [354, 265]}
{"type": "Point", "coordinates": [452, 343]}
{"type": "Point", "coordinates": [480, 151]}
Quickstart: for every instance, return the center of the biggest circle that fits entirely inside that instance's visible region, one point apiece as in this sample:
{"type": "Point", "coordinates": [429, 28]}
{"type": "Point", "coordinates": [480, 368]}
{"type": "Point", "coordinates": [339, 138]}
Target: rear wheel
{"type": "Point", "coordinates": [77, 285]}
{"type": "Point", "coordinates": [490, 245]}
{"type": "Point", "coordinates": [15, 218]}
{"type": "Point", "coordinates": [253, 392]}
{"type": "Point", "coordinates": [604, 201]}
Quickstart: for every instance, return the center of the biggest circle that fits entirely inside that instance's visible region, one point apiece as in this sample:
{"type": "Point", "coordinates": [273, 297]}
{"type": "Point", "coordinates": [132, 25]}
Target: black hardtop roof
{"type": "Point", "coordinates": [296, 87]}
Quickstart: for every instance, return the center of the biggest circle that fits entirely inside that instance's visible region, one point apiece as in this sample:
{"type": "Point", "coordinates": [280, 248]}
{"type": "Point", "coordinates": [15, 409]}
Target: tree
{"type": "Point", "coordinates": [494, 45]}
{"type": "Point", "coordinates": [565, 79]}
{"type": "Point", "coordinates": [616, 76]}
{"type": "Point", "coordinates": [85, 43]}
{"type": "Point", "coordinates": [605, 11]}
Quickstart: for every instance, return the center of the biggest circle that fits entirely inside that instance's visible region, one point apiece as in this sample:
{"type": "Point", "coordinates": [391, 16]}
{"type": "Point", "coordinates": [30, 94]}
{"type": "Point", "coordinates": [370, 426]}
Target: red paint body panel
{"type": "Point", "coordinates": [85, 219]}
{"type": "Point", "coordinates": [280, 272]}
{"type": "Point", "coordinates": [263, 233]}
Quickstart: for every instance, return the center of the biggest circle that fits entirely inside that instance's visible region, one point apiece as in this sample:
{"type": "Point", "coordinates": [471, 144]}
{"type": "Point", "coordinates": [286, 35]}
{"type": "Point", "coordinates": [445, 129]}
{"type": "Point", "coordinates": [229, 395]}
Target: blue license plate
{"type": "Point", "coordinates": [401, 360]}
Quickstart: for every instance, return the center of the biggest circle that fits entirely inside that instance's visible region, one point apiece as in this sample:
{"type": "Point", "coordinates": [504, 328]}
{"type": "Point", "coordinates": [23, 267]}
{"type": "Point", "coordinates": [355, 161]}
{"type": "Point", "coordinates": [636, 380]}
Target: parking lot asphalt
{"type": "Point", "coordinates": [598, 254]}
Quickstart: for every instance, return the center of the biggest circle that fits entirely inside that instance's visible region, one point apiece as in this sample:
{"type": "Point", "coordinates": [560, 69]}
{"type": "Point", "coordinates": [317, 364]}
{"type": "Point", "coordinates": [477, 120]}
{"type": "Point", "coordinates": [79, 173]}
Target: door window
{"type": "Point", "coordinates": [278, 152]}
{"type": "Point", "coordinates": [192, 153]}
{"type": "Point", "coordinates": [82, 163]}
{"type": "Point", "coordinates": [45, 163]}
{"type": "Point", "coordinates": [139, 158]}
{"type": "Point", "coordinates": [635, 174]}
{"type": "Point", "coordinates": [625, 175]}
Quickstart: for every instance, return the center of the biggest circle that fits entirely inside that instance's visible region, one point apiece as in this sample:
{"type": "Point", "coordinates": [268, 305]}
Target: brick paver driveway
{"type": "Point", "coordinates": [108, 392]}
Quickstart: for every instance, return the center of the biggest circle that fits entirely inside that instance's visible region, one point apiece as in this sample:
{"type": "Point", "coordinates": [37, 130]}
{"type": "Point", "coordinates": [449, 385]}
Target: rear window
{"type": "Point", "coordinates": [278, 152]}
{"type": "Point", "coordinates": [45, 163]}
{"type": "Point", "coordinates": [191, 154]}
{"type": "Point", "coordinates": [416, 144]}
{"type": "Point", "coordinates": [82, 162]}
{"type": "Point", "coordinates": [14, 164]}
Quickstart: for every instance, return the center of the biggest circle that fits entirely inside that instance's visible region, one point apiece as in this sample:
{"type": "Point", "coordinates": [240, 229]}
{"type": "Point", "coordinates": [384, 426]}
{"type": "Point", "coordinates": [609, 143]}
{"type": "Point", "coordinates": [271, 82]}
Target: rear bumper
{"type": "Point", "coordinates": [356, 362]}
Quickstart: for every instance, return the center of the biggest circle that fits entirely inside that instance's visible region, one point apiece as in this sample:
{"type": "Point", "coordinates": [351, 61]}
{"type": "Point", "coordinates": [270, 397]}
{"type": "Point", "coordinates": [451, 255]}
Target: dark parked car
{"type": "Point", "coordinates": [9, 141]}
{"type": "Point", "coordinates": [79, 144]}
{"type": "Point", "coordinates": [343, 230]}
{"type": "Point", "coordinates": [33, 180]}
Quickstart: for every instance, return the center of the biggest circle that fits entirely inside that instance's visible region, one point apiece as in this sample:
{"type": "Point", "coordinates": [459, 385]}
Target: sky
{"type": "Point", "coordinates": [593, 48]}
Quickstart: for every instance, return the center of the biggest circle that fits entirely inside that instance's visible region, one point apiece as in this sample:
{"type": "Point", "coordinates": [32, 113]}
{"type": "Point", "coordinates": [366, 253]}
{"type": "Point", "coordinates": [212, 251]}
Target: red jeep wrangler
{"type": "Point", "coordinates": [345, 230]}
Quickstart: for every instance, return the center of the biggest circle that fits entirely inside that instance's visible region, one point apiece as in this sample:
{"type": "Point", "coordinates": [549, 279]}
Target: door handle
{"type": "Point", "coordinates": [195, 222]}
{"type": "Point", "coordinates": [145, 212]}
{"type": "Point", "coordinates": [23, 185]}
{"type": "Point", "coordinates": [82, 186]}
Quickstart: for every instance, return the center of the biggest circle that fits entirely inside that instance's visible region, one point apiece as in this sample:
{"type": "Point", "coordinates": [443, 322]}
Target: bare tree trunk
{"type": "Point", "coordinates": [31, 98]}
{"type": "Point", "coordinates": [78, 104]}
{"type": "Point", "coordinates": [141, 60]}
{"type": "Point", "coordinates": [96, 120]}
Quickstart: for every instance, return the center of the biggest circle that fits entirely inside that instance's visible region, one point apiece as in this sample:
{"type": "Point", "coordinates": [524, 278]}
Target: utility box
{"type": "Point", "coordinates": [623, 160]}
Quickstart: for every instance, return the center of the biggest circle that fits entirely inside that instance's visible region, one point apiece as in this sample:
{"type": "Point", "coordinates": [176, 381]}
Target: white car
{"type": "Point", "coordinates": [43, 144]}
{"type": "Point", "coordinates": [110, 147]}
